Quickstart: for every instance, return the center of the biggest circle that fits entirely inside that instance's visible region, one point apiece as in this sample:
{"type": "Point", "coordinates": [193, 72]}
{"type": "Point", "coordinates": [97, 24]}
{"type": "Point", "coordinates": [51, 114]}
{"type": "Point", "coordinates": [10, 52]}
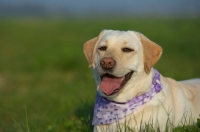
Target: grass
{"type": "Point", "coordinates": [42, 67]}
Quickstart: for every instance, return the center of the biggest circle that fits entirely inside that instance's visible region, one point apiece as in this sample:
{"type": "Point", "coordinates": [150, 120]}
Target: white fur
{"type": "Point", "coordinates": [175, 100]}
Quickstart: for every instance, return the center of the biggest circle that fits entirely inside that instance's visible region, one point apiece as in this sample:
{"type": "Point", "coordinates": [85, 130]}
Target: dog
{"type": "Point", "coordinates": [130, 92]}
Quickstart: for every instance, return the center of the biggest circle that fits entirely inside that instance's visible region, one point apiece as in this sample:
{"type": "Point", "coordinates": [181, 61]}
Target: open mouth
{"type": "Point", "coordinates": [111, 85]}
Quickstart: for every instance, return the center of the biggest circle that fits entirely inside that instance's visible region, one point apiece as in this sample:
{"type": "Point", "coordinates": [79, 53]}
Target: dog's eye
{"type": "Point", "coordinates": [103, 48]}
{"type": "Point", "coordinates": [127, 50]}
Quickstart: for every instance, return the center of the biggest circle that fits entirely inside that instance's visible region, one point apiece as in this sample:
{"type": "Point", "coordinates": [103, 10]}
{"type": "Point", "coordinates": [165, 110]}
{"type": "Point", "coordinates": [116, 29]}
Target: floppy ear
{"type": "Point", "coordinates": [151, 52]}
{"type": "Point", "coordinates": [88, 49]}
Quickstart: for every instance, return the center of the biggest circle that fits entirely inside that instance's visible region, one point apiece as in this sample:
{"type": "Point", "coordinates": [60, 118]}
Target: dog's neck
{"type": "Point", "coordinates": [107, 111]}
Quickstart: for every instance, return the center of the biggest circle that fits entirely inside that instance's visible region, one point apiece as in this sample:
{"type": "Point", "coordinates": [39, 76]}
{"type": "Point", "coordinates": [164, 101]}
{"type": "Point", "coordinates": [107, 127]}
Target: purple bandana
{"type": "Point", "coordinates": [106, 111]}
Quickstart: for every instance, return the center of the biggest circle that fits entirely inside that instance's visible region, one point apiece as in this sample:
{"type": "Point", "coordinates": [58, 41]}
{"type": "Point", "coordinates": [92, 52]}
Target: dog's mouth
{"type": "Point", "coordinates": [111, 84]}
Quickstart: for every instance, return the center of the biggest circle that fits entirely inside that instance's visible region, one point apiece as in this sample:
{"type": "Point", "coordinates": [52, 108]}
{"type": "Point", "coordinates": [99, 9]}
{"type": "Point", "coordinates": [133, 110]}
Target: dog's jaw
{"type": "Point", "coordinates": [138, 84]}
{"type": "Point", "coordinates": [111, 85]}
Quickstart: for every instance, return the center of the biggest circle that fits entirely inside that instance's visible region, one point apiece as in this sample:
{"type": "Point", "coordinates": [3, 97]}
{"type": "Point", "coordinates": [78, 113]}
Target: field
{"type": "Point", "coordinates": [45, 82]}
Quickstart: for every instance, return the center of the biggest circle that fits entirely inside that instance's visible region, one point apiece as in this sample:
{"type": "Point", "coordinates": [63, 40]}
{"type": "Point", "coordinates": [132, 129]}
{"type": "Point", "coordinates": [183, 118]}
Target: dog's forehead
{"type": "Point", "coordinates": [119, 37]}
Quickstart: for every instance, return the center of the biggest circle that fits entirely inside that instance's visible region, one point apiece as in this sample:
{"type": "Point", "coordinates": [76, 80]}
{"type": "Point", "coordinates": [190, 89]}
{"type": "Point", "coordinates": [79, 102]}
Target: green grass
{"type": "Point", "coordinates": [45, 82]}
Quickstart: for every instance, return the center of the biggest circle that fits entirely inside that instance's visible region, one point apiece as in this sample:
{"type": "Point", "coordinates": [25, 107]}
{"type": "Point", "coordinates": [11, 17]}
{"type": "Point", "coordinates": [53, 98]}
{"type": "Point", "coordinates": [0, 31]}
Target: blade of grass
{"type": "Point", "coordinates": [17, 124]}
{"type": "Point", "coordinates": [27, 119]}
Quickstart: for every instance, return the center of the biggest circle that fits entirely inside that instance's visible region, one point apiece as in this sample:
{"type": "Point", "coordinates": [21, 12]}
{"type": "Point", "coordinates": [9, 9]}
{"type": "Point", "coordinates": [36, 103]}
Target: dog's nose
{"type": "Point", "coordinates": [107, 63]}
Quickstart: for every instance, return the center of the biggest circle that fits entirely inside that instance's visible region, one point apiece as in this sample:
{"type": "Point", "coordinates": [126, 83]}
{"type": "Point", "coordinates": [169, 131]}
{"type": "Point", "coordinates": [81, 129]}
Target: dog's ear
{"type": "Point", "coordinates": [90, 46]}
{"type": "Point", "coordinates": [151, 52]}
{"type": "Point", "coordinates": [88, 49]}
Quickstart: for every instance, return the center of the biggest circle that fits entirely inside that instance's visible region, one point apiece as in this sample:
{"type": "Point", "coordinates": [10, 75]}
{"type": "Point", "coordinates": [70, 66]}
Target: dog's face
{"type": "Point", "coordinates": [120, 60]}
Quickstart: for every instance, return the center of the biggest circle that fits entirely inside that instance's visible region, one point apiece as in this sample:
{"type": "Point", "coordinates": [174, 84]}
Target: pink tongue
{"type": "Point", "coordinates": [109, 85]}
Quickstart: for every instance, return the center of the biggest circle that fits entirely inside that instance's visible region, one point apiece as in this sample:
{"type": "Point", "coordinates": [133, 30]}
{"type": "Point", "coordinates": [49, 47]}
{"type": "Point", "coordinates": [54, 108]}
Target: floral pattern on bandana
{"type": "Point", "coordinates": [106, 111]}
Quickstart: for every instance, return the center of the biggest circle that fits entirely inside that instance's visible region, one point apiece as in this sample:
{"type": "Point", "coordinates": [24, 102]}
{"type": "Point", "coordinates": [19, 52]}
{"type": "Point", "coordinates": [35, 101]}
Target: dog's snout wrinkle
{"type": "Point", "coordinates": [107, 63]}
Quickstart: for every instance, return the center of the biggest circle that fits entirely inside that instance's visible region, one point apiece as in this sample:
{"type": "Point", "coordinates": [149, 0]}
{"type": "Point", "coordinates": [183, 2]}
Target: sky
{"type": "Point", "coordinates": [109, 8]}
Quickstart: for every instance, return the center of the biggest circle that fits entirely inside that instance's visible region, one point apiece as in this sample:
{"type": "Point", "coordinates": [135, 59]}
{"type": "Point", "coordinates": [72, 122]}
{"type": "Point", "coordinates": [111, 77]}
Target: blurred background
{"type": "Point", "coordinates": [45, 82]}
{"type": "Point", "coordinates": [104, 8]}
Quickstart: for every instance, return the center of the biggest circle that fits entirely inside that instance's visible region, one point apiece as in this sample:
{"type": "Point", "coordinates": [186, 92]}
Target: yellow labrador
{"type": "Point", "coordinates": [130, 92]}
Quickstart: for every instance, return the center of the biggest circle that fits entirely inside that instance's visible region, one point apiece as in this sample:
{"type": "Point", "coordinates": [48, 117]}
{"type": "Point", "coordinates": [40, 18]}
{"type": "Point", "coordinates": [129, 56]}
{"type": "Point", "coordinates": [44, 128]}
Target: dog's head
{"type": "Point", "coordinates": [121, 61]}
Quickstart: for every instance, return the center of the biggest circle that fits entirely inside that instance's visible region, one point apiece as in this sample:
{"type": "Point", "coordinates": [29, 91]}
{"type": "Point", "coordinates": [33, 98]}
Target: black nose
{"type": "Point", "coordinates": [107, 63]}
